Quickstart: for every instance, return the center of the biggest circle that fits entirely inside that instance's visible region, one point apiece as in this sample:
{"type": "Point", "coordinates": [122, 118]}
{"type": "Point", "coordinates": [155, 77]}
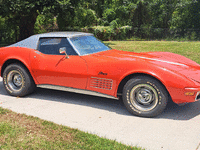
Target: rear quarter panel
{"type": "Point", "coordinates": [17, 53]}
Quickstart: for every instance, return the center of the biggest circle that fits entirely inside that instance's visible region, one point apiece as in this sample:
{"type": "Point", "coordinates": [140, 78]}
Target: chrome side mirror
{"type": "Point", "coordinates": [63, 50]}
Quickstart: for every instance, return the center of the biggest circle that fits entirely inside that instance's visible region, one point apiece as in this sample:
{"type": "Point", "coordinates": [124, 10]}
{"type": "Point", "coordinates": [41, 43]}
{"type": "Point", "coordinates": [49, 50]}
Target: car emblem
{"type": "Point", "coordinates": [102, 73]}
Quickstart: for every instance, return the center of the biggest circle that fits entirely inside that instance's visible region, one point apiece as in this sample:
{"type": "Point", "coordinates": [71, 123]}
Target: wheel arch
{"type": "Point", "coordinates": [11, 61]}
{"type": "Point", "coordinates": [128, 77]}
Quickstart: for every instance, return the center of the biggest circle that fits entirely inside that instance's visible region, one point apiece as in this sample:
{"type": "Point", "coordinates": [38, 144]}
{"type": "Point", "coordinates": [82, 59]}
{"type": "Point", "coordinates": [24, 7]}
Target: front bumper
{"type": "Point", "coordinates": [186, 95]}
{"type": "Point", "coordinates": [196, 92]}
{"type": "Point", "coordinates": [197, 96]}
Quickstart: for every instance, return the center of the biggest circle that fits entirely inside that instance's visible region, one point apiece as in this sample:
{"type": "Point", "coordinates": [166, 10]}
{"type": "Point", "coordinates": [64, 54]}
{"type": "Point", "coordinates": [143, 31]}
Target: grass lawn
{"type": "Point", "coordinates": [188, 49]}
{"type": "Point", "coordinates": [19, 131]}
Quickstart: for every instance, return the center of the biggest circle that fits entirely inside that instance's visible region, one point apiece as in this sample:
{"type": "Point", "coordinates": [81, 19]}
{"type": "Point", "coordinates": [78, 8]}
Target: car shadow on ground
{"type": "Point", "coordinates": [173, 111]}
{"type": "Point", "coordinates": [185, 112]}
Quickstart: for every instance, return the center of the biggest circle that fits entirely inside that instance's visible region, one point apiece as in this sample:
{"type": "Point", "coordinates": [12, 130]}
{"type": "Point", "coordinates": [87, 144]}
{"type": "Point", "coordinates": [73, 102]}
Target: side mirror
{"type": "Point", "coordinates": [63, 50]}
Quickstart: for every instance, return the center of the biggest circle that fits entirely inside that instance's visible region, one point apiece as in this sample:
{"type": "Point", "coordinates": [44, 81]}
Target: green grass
{"type": "Point", "coordinates": [19, 131]}
{"type": "Point", "coordinates": [190, 50]}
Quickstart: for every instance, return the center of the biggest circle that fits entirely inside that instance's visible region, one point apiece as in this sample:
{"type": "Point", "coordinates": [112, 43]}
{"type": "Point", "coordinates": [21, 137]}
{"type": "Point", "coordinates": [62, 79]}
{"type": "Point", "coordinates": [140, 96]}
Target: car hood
{"type": "Point", "coordinates": [174, 62]}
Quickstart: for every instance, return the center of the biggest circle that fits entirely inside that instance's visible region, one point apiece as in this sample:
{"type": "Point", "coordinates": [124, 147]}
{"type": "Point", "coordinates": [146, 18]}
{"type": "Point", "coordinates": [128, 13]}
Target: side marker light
{"type": "Point", "coordinates": [189, 93]}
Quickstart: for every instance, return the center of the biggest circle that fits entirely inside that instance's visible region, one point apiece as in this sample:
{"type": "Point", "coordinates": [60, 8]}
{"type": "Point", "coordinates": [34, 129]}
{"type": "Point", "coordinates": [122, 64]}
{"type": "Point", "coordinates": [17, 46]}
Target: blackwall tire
{"type": "Point", "coordinates": [17, 80]}
{"type": "Point", "coordinates": [145, 96]}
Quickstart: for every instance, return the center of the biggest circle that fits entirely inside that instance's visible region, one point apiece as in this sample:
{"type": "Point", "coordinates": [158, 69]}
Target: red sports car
{"type": "Point", "coordinates": [78, 62]}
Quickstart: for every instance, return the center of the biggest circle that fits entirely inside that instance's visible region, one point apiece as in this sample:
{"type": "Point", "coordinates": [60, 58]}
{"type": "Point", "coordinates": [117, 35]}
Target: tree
{"type": "Point", "coordinates": [141, 17]}
{"type": "Point", "coordinates": [186, 19]}
{"type": "Point", "coordinates": [65, 12]}
{"type": "Point", "coordinates": [25, 12]}
{"type": "Point", "coordinates": [45, 21]}
{"type": "Point", "coordinates": [84, 17]}
{"type": "Point", "coordinates": [161, 12]}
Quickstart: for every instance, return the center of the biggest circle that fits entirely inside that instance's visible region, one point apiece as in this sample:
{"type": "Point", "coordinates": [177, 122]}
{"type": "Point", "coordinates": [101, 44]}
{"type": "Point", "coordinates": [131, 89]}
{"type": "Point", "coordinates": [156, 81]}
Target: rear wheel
{"type": "Point", "coordinates": [144, 96]}
{"type": "Point", "coordinates": [17, 80]}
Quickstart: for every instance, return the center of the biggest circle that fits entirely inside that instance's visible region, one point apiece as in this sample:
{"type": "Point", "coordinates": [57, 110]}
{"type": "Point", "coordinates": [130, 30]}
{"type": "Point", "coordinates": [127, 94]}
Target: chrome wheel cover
{"type": "Point", "coordinates": [15, 80]}
{"type": "Point", "coordinates": [143, 97]}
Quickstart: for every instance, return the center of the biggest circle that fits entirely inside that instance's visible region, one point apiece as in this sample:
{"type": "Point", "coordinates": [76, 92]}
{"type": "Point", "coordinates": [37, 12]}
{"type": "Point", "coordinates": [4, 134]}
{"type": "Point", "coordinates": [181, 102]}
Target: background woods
{"type": "Point", "coordinates": [107, 19]}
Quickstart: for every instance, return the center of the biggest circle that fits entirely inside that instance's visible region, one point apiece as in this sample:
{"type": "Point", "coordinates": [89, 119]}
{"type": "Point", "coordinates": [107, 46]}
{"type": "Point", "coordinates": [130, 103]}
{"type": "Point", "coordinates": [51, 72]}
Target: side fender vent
{"type": "Point", "coordinates": [101, 83]}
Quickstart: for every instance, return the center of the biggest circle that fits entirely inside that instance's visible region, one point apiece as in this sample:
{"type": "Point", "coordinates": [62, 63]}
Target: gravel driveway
{"type": "Point", "coordinates": [177, 128]}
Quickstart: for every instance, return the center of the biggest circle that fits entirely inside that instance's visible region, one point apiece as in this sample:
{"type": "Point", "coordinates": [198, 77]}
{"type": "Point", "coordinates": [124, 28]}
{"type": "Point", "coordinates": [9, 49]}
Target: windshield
{"type": "Point", "coordinates": [88, 45]}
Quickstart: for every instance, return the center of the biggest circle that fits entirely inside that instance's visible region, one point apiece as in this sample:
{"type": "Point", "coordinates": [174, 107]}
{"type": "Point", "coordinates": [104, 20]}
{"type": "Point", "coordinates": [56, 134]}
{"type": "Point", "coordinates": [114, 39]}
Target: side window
{"type": "Point", "coordinates": [52, 45]}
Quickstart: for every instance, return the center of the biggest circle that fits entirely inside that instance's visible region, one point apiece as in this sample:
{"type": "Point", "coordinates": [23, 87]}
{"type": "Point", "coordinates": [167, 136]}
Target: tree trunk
{"type": "Point", "coordinates": [26, 26]}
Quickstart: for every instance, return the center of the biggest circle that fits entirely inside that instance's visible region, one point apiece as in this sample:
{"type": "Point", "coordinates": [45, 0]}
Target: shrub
{"type": "Point", "coordinates": [85, 17]}
{"type": "Point", "coordinates": [109, 32]}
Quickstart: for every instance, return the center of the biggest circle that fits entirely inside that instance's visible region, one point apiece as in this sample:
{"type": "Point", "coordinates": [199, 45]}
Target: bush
{"type": "Point", "coordinates": [44, 22]}
{"type": "Point", "coordinates": [8, 29]}
{"type": "Point", "coordinates": [107, 33]}
{"type": "Point", "coordinates": [85, 17]}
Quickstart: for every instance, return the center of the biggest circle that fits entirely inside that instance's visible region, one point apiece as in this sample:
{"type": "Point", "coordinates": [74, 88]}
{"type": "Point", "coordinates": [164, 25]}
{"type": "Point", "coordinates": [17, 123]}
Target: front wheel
{"type": "Point", "coordinates": [144, 96]}
{"type": "Point", "coordinates": [17, 80]}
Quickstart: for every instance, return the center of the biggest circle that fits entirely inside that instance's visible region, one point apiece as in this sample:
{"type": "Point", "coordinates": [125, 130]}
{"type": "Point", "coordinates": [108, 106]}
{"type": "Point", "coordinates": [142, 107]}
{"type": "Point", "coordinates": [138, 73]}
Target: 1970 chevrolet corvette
{"type": "Point", "coordinates": [78, 62]}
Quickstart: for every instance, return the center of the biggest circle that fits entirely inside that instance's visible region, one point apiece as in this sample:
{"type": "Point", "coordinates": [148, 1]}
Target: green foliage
{"type": "Point", "coordinates": [45, 22]}
{"type": "Point", "coordinates": [8, 31]}
{"type": "Point", "coordinates": [65, 11]}
{"type": "Point", "coordinates": [64, 19]}
{"type": "Point", "coordinates": [187, 15]}
{"type": "Point", "coordinates": [109, 15]}
{"type": "Point", "coordinates": [121, 14]}
{"type": "Point", "coordinates": [141, 14]}
{"type": "Point", "coordinates": [150, 19]}
{"type": "Point", "coordinates": [161, 12]}
{"type": "Point", "coordinates": [25, 12]}
{"type": "Point", "coordinates": [115, 24]}
{"type": "Point", "coordinates": [97, 5]}
{"type": "Point", "coordinates": [109, 33]}
{"type": "Point", "coordinates": [85, 17]}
